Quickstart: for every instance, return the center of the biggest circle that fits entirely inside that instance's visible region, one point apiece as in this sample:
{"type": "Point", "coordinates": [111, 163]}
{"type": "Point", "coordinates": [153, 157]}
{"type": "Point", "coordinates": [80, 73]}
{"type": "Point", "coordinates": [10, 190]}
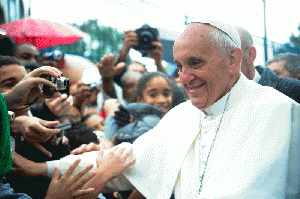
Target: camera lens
{"type": "Point", "coordinates": [146, 37]}
{"type": "Point", "coordinates": [61, 83]}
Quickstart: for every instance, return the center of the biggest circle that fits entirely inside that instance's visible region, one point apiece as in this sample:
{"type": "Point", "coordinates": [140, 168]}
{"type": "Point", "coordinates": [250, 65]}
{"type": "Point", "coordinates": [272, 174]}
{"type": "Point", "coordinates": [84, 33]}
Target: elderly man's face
{"type": "Point", "coordinates": [203, 69]}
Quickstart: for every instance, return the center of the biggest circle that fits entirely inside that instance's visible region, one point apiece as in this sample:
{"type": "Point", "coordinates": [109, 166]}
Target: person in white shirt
{"type": "Point", "coordinates": [233, 139]}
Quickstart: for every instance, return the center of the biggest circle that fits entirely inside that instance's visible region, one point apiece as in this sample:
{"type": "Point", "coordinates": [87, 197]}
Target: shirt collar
{"type": "Point", "coordinates": [257, 76]}
{"type": "Point", "coordinates": [217, 108]}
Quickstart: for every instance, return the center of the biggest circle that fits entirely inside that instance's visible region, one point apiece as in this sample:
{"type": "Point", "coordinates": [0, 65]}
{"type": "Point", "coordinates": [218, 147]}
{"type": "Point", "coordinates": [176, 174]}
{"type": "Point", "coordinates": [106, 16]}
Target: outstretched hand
{"type": "Point", "coordinates": [69, 185]}
{"type": "Point", "coordinates": [114, 162]}
{"type": "Point", "coordinates": [107, 68]}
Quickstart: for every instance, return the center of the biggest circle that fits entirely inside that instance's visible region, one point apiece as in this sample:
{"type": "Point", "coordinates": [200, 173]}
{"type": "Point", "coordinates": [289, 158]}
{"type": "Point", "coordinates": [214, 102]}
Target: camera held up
{"type": "Point", "coordinates": [146, 35]}
{"type": "Point", "coordinates": [62, 84]}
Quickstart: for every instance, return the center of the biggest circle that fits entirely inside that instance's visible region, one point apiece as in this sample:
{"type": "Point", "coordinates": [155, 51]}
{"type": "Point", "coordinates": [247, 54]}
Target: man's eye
{"type": "Point", "coordinates": [196, 64]}
{"type": "Point", "coordinates": [26, 56]}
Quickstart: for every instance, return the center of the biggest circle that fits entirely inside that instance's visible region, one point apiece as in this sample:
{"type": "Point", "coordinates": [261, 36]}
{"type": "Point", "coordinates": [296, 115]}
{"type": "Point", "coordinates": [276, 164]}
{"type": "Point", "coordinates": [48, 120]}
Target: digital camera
{"type": "Point", "coordinates": [62, 83]}
{"type": "Point", "coordinates": [146, 35]}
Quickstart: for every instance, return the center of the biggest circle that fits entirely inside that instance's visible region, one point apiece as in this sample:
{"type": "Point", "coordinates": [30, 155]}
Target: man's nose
{"type": "Point", "coordinates": [186, 76]}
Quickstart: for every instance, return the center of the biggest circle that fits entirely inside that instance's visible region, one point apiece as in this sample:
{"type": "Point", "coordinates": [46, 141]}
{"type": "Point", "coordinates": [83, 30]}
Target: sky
{"type": "Point", "coordinates": [281, 16]}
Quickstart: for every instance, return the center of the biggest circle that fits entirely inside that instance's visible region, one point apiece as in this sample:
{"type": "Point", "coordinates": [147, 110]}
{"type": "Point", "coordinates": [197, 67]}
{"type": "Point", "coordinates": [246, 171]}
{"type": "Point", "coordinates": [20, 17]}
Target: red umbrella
{"type": "Point", "coordinates": [42, 33]}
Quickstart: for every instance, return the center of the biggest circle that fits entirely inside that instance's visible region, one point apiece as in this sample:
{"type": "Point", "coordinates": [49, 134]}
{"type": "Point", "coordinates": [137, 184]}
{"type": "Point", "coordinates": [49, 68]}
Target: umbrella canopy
{"type": "Point", "coordinates": [42, 33]}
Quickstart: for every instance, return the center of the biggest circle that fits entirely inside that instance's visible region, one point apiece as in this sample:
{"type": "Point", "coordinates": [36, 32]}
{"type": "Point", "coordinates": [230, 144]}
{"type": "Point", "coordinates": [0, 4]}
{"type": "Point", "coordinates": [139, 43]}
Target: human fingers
{"type": "Point", "coordinates": [83, 193]}
{"type": "Point", "coordinates": [55, 176]}
{"type": "Point", "coordinates": [42, 149]}
{"type": "Point", "coordinates": [64, 140]}
{"type": "Point", "coordinates": [158, 45]}
{"type": "Point", "coordinates": [49, 124]}
{"type": "Point", "coordinates": [79, 150]}
{"type": "Point", "coordinates": [46, 129]}
{"type": "Point", "coordinates": [67, 103]}
{"type": "Point", "coordinates": [45, 70]}
{"type": "Point", "coordinates": [78, 178]}
{"type": "Point", "coordinates": [92, 147]}
{"type": "Point", "coordinates": [58, 101]}
{"type": "Point", "coordinates": [39, 80]}
{"type": "Point", "coordinates": [72, 168]}
{"type": "Point", "coordinates": [103, 60]}
{"type": "Point", "coordinates": [99, 157]}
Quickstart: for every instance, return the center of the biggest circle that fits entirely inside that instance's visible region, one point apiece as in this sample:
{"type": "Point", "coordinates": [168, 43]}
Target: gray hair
{"type": "Point", "coordinates": [127, 75]}
{"type": "Point", "coordinates": [221, 40]}
{"type": "Point", "coordinates": [292, 62]}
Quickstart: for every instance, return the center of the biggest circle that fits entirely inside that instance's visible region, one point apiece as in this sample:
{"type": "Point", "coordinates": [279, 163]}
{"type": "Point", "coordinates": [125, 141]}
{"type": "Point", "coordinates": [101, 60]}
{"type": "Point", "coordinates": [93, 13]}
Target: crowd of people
{"type": "Point", "coordinates": [137, 134]}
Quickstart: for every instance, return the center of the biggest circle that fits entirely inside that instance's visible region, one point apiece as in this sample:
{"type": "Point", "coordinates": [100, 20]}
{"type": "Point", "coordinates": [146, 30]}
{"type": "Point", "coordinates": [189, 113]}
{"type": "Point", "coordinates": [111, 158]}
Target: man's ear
{"type": "Point", "coordinates": [252, 55]}
{"type": "Point", "coordinates": [298, 76]}
{"type": "Point", "coordinates": [235, 59]}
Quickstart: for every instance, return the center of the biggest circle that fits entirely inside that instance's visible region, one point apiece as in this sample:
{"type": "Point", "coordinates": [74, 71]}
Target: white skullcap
{"type": "Point", "coordinates": [230, 31]}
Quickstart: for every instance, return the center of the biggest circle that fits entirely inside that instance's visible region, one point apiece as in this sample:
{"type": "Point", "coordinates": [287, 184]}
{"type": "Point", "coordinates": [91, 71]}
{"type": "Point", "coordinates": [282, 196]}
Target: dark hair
{"type": "Point", "coordinates": [143, 81]}
{"type": "Point", "coordinates": [71, 118]}
{"type": "Point", "coordinates": [292, 62]}
{"type": "Point", "coordinates": [7, 46]}
{"type": "Point", "coordinates": [8, 60]}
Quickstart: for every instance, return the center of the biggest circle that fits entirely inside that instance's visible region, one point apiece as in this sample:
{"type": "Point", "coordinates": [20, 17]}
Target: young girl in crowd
{"type": "Point", "coordinates": [151, 101]}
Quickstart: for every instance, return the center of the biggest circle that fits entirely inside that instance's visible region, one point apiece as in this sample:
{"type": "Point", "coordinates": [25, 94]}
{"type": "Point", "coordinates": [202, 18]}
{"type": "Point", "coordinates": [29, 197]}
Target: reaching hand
{"type": "Point", "coordinates": [69, 186]}
{"type": "Point", "coordinates": [107, 68]}
{"type": "Point", "coordinates": [111, 106]}
{"type": "Point", "coordinates": [122, 116]}
{"type": "Point", "coordinates": [28, 88]}
{"type": "Point", "coordinates": [61, 105]}
{"type": "Point", "coordinates": [81, 96]}
{"type": "Point", "coordinates": [86, 148]}
{"type": "Point", "coordinates": [35, 130]}
{"type": "Point", "coordinates": [114, 162]}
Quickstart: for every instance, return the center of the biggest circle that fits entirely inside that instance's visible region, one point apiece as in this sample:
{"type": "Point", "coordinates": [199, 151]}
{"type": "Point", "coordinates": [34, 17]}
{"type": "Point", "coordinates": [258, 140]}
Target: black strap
{"type": "Point", "coordinates": [29, 104]}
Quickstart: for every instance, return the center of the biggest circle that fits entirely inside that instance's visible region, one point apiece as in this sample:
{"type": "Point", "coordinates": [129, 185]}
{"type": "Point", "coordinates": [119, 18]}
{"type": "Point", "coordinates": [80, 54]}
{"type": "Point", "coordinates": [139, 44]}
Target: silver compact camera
{"type": "Point", "coordinates": [62, 83]}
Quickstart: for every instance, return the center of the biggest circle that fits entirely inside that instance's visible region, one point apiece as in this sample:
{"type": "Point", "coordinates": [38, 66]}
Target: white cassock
{"type": "Point", "coordinates": [255, 153]}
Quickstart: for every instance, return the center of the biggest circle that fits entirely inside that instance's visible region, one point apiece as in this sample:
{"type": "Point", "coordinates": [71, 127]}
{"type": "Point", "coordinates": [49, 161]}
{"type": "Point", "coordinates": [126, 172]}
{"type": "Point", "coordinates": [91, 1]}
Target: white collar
{"type": "Point", "coordinates": [217, 108]}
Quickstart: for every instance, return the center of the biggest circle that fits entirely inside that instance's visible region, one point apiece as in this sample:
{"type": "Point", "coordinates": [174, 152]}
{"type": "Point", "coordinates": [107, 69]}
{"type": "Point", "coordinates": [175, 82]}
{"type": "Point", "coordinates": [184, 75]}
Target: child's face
{"type": "Point", "coordinates": [157, 93]}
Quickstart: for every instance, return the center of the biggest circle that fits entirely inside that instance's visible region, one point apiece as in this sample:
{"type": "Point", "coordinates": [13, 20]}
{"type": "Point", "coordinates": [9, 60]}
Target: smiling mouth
{"type": "Point", "coordinates": [194, 88]}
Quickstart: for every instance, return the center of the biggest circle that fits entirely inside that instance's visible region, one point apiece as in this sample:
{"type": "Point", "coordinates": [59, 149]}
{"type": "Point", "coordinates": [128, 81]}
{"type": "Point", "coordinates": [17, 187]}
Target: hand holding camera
{"type": "Point", "coordinates": [27, 90]}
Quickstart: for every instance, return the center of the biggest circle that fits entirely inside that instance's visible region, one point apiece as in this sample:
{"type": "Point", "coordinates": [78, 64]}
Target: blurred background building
{"type": "Point", "coordinates": [11, 10]}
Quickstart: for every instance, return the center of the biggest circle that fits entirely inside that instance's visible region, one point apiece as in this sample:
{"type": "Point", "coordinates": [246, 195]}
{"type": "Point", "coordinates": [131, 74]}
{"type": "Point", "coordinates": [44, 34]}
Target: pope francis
{"type": "Point", "coordinates": [233, 139]}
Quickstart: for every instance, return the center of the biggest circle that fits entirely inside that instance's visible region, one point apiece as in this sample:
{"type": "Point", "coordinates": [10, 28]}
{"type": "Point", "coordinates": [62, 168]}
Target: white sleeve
{"type": "Point", "coordinates": [119, 183]}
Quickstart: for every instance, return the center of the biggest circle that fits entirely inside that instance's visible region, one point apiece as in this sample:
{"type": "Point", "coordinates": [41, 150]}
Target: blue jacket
{"type": "Point", "coordinates": [145, 117]}
{"type": "Point", "coordinates": [288, 86]}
